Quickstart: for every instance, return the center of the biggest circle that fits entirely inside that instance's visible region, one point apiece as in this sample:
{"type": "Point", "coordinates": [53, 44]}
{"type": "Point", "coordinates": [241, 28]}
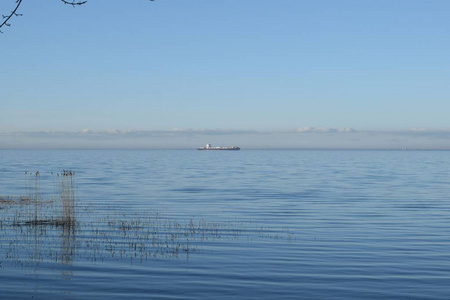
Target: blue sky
{"type": "Point", "coordinates": [226, 67]}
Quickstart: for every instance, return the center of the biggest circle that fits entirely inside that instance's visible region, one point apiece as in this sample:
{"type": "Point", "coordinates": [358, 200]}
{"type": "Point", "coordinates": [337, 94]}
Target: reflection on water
{"type": "Point", "coordinates": [68, 239]}
{"type": "Point", "coordinates": [247, 225]}
{"type": "Point", "coordinates": [33, 224]}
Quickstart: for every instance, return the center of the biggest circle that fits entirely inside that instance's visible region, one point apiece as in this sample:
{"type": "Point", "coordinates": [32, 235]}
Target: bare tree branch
{"type": "Point", "coordinates": [13, 13]}
{"type": "Point", "coordinates": [18, 2]}
{"type": "Point", "coordinates": [73, 3]}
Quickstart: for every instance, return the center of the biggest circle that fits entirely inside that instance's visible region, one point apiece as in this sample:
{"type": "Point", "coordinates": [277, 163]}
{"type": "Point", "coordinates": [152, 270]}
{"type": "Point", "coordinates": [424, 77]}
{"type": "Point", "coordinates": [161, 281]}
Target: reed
{"type": "Point", "coordinates": [39, 228]}
{"type": "Point", "coordinates": [68, 198]}
{"type": "Point", "coordinates": [36, 197]}
{"type": "Point", "coordinates": [59, 211]}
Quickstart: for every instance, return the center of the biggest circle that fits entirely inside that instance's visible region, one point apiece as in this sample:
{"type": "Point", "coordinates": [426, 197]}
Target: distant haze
{"type": "Point", "coordinates": [303, 138]}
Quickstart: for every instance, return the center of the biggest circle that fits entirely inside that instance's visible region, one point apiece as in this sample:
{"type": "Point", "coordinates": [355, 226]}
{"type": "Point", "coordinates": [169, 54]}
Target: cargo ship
{"type": "Point", "coordinates": [208, 147]}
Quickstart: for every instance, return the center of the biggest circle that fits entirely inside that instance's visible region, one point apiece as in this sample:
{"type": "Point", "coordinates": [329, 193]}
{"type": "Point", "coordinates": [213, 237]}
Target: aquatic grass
{"type": "Point", "coordinates": [137, 238]}
{"type": "Point", "coordinates": [50, 231]}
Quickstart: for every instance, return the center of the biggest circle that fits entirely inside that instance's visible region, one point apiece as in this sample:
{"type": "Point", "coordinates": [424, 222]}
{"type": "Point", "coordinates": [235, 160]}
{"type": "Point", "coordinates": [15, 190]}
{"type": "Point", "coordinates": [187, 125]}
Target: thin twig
{"type": "Point", "coordinates": [73, 3]}
{"type": "Point", "coordinates": [13, 13]}
{"type": "Point", "coordinates": [18, 2]}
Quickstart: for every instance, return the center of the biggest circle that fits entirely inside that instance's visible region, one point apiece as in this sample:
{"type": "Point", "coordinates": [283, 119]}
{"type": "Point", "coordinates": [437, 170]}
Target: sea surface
{"type": "Point", "coordinates": [249, 224]}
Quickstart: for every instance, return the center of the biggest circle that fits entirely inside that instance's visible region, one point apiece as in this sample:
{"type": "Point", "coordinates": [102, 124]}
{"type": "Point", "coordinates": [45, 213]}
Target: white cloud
{"type": "Point", "coordinates": [430, 130]}
{"type": "Point", "coordinates": [85, 131]}
{"type": "Point", "coordinates": [323, 130]}
{"type": "Point", "coordinates": [202, 131]}
{"type": "Point", "coordinates": [346, 129]}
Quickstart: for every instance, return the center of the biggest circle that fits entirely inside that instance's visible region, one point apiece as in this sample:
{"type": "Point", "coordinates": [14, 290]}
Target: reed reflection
{"type": "Point", "coordinates": [42, 231]}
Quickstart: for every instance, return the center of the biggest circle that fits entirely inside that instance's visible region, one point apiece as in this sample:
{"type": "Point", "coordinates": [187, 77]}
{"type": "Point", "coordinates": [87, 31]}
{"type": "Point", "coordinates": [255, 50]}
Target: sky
{"type": "Point", "coordinates": [256, 73]}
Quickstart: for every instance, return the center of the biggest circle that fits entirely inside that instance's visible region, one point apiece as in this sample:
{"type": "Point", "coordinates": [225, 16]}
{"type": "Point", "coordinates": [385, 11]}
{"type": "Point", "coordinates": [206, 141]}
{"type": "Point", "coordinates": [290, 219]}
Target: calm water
{"type": "Point", "coordinates": [226, 225]}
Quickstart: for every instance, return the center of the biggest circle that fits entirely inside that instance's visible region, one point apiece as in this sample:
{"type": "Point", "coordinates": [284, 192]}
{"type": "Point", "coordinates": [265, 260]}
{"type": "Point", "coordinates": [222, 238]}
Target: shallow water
{"type": "Point", "coordinates": [247, 224]}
